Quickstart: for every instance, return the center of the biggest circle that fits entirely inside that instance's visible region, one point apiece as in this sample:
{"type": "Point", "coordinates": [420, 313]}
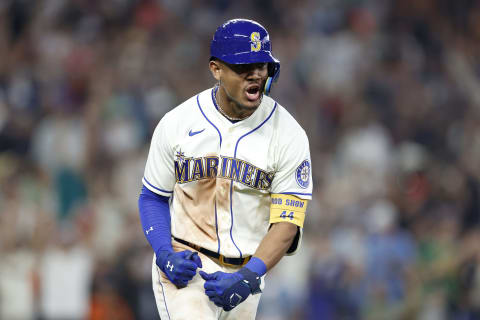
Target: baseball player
{"type": "Point", "coordinates": [226, 185]}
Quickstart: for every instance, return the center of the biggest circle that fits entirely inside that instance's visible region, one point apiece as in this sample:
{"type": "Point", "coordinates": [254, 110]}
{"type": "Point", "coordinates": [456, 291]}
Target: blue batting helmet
{"type": "Point", "coordinates": [242, 41]}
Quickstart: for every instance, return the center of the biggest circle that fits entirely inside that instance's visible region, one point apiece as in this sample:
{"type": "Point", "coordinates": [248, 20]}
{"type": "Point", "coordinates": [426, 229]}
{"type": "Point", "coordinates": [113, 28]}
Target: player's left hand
{"type": "Point", "coordinates": [227, 290]}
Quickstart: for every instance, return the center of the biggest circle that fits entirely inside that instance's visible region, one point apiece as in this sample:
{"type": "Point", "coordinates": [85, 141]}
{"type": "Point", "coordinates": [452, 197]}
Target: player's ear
{"type": "Point", "coordinates": [215, 69]}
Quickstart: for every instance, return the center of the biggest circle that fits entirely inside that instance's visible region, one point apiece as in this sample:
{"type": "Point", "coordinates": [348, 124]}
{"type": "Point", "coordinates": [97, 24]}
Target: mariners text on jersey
{"type": "Point", "coordinates": [191, 169]}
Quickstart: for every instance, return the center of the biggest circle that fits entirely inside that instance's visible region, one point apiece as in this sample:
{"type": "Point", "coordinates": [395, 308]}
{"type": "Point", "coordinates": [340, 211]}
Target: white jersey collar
{"type": "Point", "coordinates": [207, 104]}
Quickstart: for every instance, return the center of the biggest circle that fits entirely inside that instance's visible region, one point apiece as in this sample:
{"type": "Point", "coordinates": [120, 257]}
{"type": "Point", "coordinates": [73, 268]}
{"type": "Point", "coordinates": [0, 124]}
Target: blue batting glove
{"type": "Point", "coordinates": [227, 290]}
{"type": "Point", "coordinates": [179, 267]}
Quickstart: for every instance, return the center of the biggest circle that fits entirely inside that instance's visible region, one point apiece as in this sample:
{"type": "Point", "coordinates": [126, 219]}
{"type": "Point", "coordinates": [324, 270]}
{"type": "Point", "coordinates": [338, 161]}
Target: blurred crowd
{"type": "Point", "coordinates": [387, 90]}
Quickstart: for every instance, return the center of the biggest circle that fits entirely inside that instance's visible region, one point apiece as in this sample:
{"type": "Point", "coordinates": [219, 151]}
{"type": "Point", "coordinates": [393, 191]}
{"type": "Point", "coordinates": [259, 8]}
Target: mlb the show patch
{"type": "Point", "coordinates": [288, 208]}
{"type": "Point", "coordinates": [302, 174]}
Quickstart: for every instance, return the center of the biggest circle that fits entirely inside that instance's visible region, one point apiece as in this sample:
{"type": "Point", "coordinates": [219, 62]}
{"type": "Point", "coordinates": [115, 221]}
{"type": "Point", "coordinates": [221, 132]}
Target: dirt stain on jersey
{"type": "Point", "coordinates": [195, 206]}
{"type": "Point", "coordinates": [199, 206]}
{"type": "Point", "coordinates": [223, 194]}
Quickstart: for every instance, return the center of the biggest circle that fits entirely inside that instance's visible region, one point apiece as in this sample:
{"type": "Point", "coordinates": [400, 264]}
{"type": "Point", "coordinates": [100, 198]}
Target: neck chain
{"type": "Point", "coordinates": [220, 107]}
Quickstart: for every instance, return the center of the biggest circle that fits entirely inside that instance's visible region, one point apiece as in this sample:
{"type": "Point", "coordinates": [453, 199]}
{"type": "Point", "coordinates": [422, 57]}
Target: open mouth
{"type": "Point", "coordinates": [253, 92]}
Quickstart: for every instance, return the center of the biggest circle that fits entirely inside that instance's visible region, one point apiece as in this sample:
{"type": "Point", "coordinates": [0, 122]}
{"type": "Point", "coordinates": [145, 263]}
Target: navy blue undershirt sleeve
{"type": "Point", "coordinates": [155, 218]}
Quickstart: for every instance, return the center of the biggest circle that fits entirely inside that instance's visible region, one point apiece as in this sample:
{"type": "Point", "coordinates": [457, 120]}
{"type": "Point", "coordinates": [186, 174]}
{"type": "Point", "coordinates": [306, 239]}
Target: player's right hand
{"type": "Point", "coordinates": [179, 267]}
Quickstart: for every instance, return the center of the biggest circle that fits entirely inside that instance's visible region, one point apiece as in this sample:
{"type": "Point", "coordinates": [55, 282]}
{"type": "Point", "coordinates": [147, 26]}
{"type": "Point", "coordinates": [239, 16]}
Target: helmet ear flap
{"type": "Point", "coordinates": [268, 86]}
{"type": "Point", "coordinates": [271, 69]}
{"type": "Point", "coordinates": [274, 70]}
{"type": "Point", "coordinates": [273, 73]}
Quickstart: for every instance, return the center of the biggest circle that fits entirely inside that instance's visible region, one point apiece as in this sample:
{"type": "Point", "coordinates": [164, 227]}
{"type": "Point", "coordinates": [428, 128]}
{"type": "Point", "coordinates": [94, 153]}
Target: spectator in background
{"type": "Point", "coordinates": [65, 274]}
{"type": "Point", "coordinates": [391, 255]}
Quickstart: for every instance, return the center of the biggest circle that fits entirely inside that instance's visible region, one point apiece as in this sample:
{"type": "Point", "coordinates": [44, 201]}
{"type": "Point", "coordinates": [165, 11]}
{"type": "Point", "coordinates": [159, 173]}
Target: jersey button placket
{"type": "Point", "coordinates": [228, 144]}
{"type": "Point", "coordinates": [229, 138]}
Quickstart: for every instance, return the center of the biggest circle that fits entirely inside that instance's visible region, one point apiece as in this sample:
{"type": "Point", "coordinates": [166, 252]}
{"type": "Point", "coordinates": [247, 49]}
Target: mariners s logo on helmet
{"type": "Point", "coordinates": [302, 174]}
{"type": "Point", "coordinates": [256, 43]}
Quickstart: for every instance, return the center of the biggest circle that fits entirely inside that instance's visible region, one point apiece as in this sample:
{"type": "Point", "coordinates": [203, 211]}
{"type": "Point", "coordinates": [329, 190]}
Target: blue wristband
{"type": "Point", "coordinates": [257, 265]}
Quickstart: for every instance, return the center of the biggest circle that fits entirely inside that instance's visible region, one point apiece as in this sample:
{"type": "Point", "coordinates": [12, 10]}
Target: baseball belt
{"type": "Point", "coordinates": [225, 261]}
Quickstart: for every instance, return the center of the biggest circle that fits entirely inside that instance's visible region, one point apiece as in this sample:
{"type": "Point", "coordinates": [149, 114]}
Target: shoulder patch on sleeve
{"type": "Point", "coordinates": [302, 174]}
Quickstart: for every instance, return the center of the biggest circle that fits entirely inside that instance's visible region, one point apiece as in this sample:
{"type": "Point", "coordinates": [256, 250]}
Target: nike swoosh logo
{"type": "Point", "coordinates": [192, 133]}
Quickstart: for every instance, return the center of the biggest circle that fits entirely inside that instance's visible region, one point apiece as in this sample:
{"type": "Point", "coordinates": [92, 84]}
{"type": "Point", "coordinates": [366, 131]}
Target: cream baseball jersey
{"type": "Point", "coordinates": [221, 175]}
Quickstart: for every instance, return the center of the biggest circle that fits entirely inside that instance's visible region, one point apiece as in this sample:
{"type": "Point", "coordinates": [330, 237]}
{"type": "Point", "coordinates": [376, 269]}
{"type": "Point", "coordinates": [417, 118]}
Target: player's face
{"type": "Point", "coordinates": [243, 83]}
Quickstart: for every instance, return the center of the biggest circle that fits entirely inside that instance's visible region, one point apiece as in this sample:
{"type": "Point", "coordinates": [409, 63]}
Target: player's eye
{"type": "Point", "coordinates": [245, 68]}
{"type": "Point", "coordinates": [261, 66]}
